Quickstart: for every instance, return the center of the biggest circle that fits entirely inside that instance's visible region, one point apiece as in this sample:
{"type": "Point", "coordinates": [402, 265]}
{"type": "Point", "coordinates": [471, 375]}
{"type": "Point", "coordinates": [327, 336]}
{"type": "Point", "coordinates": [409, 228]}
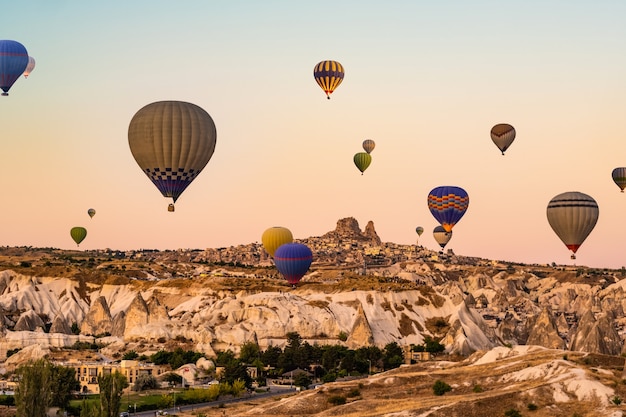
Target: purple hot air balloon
{"type": "Point", "coordinates": [448, 204]}
{"type": "Point", "coordinates": [13, 62]}
{"type": "Point", "coordinates": [293, 261]}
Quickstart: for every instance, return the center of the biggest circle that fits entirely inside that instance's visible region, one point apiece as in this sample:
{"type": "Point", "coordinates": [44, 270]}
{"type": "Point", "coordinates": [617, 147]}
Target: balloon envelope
{"type": "Point", "coordinates": [91, 212]}
{"type": "Point", "coordinates": [619, 176]}
{"type": "Point", "coordinates": [362, 160]}
{"type": "Point", "coordinates": [172, 141]}
{"type": "Point", "coordinates": [29, 67]}
{"type": "Point", "coordinates": [78, 234]}
{"type": "Point", "coordinates": [448, 204]}
{"type": "Point", "coordinates": [328, 74]}
{"type": "Point", "coordinates": [572, 216]}
{"type": "Point", "coordinates": [441, 236]}
{"type": "Point", "coordinates": [419, 230]}
{"type": "Point", "coordinates": [13, 62]}
{"type": "Point", "coordinates": [293, 261]}
{"type": "Point", "coordinates": [274, 237]}
{"type": "Point", "coordinates": [369, 145]}
{"type": "Point", "coordinates": [503, 136]}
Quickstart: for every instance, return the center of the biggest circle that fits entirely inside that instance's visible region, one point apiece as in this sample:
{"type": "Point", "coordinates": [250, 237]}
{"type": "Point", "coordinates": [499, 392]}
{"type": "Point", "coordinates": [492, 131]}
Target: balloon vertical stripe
{"type": "Point", "coordinates": [572, 216]}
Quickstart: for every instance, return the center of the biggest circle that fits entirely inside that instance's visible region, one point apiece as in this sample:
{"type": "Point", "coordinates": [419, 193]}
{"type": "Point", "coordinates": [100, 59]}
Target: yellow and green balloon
{"type": "Point", "coordinates": [362, 160]}
{"type": "Point", "coordinates": [78, 234]}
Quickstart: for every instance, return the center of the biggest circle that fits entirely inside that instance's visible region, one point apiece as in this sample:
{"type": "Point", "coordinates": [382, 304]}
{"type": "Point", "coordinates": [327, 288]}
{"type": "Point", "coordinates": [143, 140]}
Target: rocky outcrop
{"type": "Point", "coordinates": [371, 234]}
{"type": "Point", "coordinates": [543, 332]}
{"type": "Point", "coordinates": [98, 320]}
{"type": "Point", "coordinates": [29, 320]}
{"type": "Point", "coordinates": [596, 336]}
{"type": "Point", "coordinates": [119, 324]}
{"type": "Point", "coordinates": [137, 315]}
{"type": "Point", "coordinates": [348, 229]}
{"type": "Point", "coordinates": [157, 311]}
{"type": "Point", "coordinates": [59, 325]}
{"type": "Point", "coordinates": [361, 334]}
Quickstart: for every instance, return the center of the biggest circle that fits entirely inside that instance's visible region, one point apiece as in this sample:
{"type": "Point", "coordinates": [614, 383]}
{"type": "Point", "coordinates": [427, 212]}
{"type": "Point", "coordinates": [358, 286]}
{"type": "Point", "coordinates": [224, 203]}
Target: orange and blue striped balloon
{"type": "Point", "coordinates": [448, 204]}
{"type": "Point", "coordinates": [328, 74]}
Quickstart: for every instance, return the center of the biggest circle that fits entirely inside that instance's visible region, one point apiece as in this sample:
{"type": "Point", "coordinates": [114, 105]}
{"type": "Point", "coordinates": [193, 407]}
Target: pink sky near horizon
{"type": "Point", "coordinates": [425, 81]}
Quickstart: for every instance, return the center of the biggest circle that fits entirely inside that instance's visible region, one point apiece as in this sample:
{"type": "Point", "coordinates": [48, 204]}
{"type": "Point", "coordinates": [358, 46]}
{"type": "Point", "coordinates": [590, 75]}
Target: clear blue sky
{"type": "Point", "coordinates": [425, 80]}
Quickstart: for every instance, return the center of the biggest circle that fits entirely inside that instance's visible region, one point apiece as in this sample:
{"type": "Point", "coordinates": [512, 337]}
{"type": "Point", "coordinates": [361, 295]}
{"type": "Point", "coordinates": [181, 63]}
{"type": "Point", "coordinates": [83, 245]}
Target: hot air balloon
{"type": "Point", "coordinates": [274, 237]}
{"type": "Point", "coordinates": [172, 141]}
{"type": "Point", "coordinates": [328, 74]}
{"type": "Point", "coordinates": [91, 212]}
{"type": "Point", "coordinates": [619, 176]}
{"type": "Point", "coordinates": [29, 67]}
{"type": "Point", "coordinates": [13, 62]}
{"type": "Point", "coordinates": [419, 230]}
{"type": "Point", "coordinates": [441, 236]}
{"type": "Point", "coordinates": [78, 234]}
{"type": "Point", "coordinates": [369, 145]}
{"type": "Point", "coordinates": [293, 261]}
{"type": "Point", "coordinates": [362, 160]}
{"type": "Point", "coordinates": [448, 204]}
{"type": "Point", "coordinates": [572, 216]}
{"type": "Point", "coordinates": [503, 135]}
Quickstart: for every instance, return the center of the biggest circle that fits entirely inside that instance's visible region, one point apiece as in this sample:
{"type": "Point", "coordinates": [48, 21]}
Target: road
{"type": "Point", "coordinates": [274, 391]}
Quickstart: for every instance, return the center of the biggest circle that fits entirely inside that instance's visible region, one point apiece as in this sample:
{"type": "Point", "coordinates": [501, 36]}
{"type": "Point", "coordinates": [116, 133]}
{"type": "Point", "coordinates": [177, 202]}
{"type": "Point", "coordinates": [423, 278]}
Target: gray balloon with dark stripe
{"type": "Point", "coordinates": [572, 216]}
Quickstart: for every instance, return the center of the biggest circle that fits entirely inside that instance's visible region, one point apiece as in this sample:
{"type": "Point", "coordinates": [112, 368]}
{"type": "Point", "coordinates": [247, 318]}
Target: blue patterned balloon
{"type": "Point", "coordinates": [293, 261]}
{"type": "Point", "coordinates": [448, 204]}
{"type": "Point", "coordinates": [13, 62]}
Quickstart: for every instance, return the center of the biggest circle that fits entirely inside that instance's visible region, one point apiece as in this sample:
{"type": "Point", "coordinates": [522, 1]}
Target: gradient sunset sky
{"type": "Point", "coordinates": [426, 80]}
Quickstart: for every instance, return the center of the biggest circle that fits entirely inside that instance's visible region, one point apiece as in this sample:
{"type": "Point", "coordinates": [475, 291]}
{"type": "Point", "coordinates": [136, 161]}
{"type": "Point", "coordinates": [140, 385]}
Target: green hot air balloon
{"type": "Point", "coordinates": [362, 160]}
{"type": "Point", "coordinates": [78, 234]}
{"type": "Point", "coordinates": [172, 141]}
{"type": "Point", "coordinates": [419, 230]}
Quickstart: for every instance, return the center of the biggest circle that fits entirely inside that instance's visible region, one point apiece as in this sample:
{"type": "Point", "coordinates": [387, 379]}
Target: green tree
{"type": "Point", "coordinates": [144, 382]}
{"type": "Point", "coordinates": [62, 384]}
{"type": "Point", "coordinates": [111, 390]}
{"type": "Point", "coordinates": [89, 409]}
{"type": "Point", "coordinates": [270, 356]}
{"type": "Point", "coordinates": [440, 387]}
{"type": "Point", "coordinates": [236, 370]}
{"type": "Point", "coordinates": [393, 356]}
{"type": "Point", "coordinates": [33, 395]}
{"type": "Point", "coordinates": [249, 352]}
{"type": "Point", "coordinates": [130, 355]}
{"type": "Point", "coordinates": [302, 380]}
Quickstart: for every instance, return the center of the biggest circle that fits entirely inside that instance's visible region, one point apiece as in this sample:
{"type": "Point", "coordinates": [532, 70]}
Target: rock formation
{"type": "Point", "coordinates": [597, 336]}
{"type": "Point", "coordinates": [29, 320]}
{"type": "Point", "coordinates": [137, 315]}
{"type": "Point", "coordinates": [361, 334]}
{"type": "Point", "coordinates": [543, 332]}
{"type": "Point", "coordinates": [348, 229]}
{"type": "Point", "coordinates": [59, 325]}
{"type": "Point", "coordinates": [98, 320]}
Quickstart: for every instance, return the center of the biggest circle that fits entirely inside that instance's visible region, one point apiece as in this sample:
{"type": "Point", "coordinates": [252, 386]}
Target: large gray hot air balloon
{"type": "Point", "coordinates": [572, 216]}
{"type": "Point", "coordinates": [441, 236]}
{"type": "Point", "coordinates": [503, 136]}
{"type": "Point", "coordinates": [172, 141]}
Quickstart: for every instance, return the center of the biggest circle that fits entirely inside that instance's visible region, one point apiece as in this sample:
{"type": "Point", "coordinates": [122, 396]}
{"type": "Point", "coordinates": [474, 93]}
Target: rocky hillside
{"type": "Point", "coordinates": [533, 381]}
{"type": "Point", "coordinates": [146, 299]}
